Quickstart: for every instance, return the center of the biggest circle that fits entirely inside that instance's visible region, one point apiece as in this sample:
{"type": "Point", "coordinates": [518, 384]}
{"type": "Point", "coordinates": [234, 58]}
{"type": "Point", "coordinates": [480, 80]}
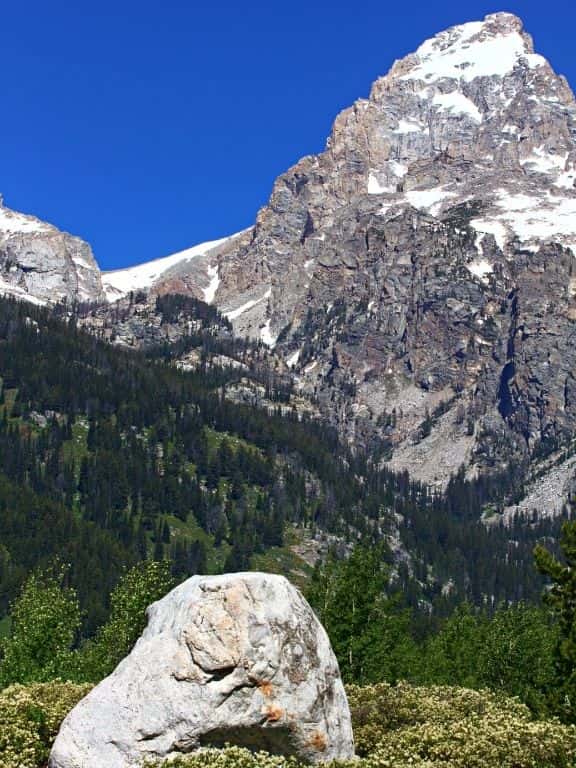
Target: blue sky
{"type": "Point", "coordinates": [148, 127]}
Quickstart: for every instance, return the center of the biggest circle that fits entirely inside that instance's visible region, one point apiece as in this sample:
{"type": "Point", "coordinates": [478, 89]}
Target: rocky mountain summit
{"type": "Point", "coordinates": [416, 278]}
{"type": "Point", "coordinates": [417, 275]}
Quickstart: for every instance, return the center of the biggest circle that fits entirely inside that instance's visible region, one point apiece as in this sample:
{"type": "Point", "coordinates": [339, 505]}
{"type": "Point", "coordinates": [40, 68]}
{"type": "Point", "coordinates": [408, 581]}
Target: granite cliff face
{"type": "Point", "coordinates": [41, 264]}
{"type": "Point", "coordinates": [417, 276]}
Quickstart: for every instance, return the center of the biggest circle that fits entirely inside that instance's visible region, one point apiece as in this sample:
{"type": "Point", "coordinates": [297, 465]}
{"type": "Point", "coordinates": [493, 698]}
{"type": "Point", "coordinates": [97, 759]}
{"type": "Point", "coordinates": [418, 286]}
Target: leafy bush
{"type": "Point", "coordinates": [145, 583]}
{"type": "Point", "coordinates": [449, 727]}
{"type": "Point", "coordinates": [45, 620]}
{"type": "Point", "coordinates": [30, 717]}
{"type": "Point", "coordinates": [231, 757]}
{"type": "Point", "coordinates": [401, 726]}
{"type": "Point", "coordinates": [407, 726]}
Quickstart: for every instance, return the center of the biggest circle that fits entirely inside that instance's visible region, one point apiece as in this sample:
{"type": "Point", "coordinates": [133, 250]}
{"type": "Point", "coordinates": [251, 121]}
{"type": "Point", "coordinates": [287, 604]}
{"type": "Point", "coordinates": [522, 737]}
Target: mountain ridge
{"type": "Point", "coordinates": [416, 276]}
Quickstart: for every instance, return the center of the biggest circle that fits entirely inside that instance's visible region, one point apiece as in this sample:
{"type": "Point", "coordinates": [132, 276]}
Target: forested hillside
{"type": "Point", "coordinates": [109, 457]}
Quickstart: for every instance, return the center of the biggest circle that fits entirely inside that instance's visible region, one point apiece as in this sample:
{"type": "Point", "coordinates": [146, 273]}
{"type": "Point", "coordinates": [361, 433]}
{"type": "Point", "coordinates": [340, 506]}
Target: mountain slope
{"type": "Point", "coordinates": [416, 278]}
{"type": "Point", "coordinates": [196, 263]}
{"type": "Point", "coordinates": [108, 456]}
{"type": "Point", "coordinates": [421, 263]}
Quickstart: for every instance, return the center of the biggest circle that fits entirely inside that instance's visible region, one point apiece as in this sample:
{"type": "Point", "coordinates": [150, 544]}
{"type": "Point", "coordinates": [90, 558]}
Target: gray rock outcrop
{"type": "Point", "coordinates": [420, 270]}
{"type": "Point", "coordinates": [43, 265]}
{"type": "Point", "coordinates": [417, 278]}
{"type": "Point", "coordinates": [239, 659]}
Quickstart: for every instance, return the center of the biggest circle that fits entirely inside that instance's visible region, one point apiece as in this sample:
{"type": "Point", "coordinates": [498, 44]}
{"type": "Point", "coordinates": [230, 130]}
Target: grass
{"type": "Point", "coordinates": [215, 439]}
{"type": "Point", "coordinates": [76, 448]}
{"type": "Point", "coordinates": [191, 531]}
{"type": "Point", "coordinates": [284, 561]}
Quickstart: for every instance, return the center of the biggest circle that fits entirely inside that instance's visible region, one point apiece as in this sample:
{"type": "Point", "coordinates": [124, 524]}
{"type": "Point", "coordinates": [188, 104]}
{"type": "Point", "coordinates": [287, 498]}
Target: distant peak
{"type": "Point", "coordinates": [505, 21]}
{"type": "Point", "coordinates": [492, 47]}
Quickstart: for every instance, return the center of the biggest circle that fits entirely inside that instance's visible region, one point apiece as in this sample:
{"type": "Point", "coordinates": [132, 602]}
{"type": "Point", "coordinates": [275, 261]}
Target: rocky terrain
{"type": "Point", "coordinates": [41, 264]}
{"type": "Point", "coordinates": [417, 277]}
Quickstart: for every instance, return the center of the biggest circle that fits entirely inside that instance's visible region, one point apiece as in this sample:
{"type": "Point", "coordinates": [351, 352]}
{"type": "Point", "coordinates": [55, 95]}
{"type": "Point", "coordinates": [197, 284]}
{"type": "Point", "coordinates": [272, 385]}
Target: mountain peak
{"type": "Point", "coordinates": [492, 47]}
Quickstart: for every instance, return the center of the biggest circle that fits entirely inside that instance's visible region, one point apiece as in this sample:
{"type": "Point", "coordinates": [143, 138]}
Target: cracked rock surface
{"type": "Point", "coordinates": [239, 659]}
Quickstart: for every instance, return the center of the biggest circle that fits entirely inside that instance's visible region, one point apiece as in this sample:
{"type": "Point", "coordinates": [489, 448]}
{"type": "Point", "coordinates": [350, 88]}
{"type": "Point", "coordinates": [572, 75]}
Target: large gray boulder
{"type": "Point", "coordinates": [239, 658]}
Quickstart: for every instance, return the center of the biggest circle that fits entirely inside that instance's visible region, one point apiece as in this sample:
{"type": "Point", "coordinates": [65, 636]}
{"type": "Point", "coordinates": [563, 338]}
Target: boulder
{"type": "Point", "coordinates": [239, 659]}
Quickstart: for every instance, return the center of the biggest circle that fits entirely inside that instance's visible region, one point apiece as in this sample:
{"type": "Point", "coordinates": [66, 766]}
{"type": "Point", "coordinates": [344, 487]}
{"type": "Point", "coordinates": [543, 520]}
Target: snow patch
{"type": "Point", "coordinates": [457, 102]}
{"type": "Point", "coordinates": [495, 228]}
{"type": "Point", "coordinates": [566, 180]}
{"type": "Point", "coordinates": [398, 169]}
{"type": "Point", "coordinates": [375, 188]}
{"type": "Point", "coordinates": [293, 359]}
{"type": "Point", "coordinates": [539, 217]}
{"type": "Point", "coordinates": [482, 56]}
{"type": "Point", "coordinates": [12, 222]}
{"type": "Point", "coordinates": [121, 282]}
{"type": "Point", "coordinates": [428, 199]}
{"type": "Point", "coordinates": [405, 126]}
{"type": "Point", "coordinates": [234, 313]}
{"type": "Point", "coordinates": [542, 161]}
{"type": "Point", "coordinates": [266, 335]}
{"type": "Point", "coordinates": [210, 290]}
{"type": "Point", "coordinates": [481, 268]}
{"type": "Point", "coordinates": [310, 367]}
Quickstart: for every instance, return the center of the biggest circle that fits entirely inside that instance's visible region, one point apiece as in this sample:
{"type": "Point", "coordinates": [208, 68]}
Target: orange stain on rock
{"type": "Point", "coordinates": [266, 687]}
{"type": "Point", "coordinates": [318, 741]}
{"type": "Point", "coordinates": [273, 713]}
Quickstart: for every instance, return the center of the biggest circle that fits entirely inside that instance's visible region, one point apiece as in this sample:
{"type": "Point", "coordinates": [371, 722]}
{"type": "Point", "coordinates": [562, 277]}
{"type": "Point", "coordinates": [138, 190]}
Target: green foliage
{"type": "Point", "coordinates": [138, 588]}
{"type": "Point", "coordinates": [510, 651]}
{"type": "Point", "coordinates": [562, 600]}
{"type": "Point", "coordinates": [30, 717]}
{"type": "Point", "coordinates": [102, 448]}
{"type": "Point", "coordinates": [420, 727]}
{"type": "Point", "coordinates": [398, 726]}
{"type": "Point", "coordinates": [45, 620]}
{"type": "Point", "coordinates": [376, 639]}
{"type": "Point", "coordinates": [369, 631]}
{"type": "Point", "coordinates": [231, 757]}
{"type": "Point", "coordinates": [406, 726]}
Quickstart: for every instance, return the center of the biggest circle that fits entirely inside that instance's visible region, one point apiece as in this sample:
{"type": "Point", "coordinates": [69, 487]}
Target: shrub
{"type": "Point", "coordinates": [231, 757]}
{"type": "Point", "coordinates": [45, 620]}
{"type": "Point", "coordinates": [401, 726]}
{"type": "Point", "coordinates": [30, 717]}
{"type": "Point", "coordinates": [451, 727]}
{"type": "Point", "coordinates": [137, 589]}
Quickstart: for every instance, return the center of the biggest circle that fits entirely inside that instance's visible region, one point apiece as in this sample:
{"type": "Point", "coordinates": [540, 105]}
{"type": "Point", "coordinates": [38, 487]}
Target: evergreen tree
{"type": "Point", "coordinates": [562, 600]}
{"type": "Point", "coordinates": [368, 630]}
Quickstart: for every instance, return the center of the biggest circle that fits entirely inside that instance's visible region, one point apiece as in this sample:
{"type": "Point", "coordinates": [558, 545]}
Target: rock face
{"type": "Point", "coordinates": [43, 265]}
{"type": "Point", "coordinates": [237, 659]}
{"type": "Point", "coordinates": [192, 272]}
{"type": "Point", "coordinates": [418, 275]}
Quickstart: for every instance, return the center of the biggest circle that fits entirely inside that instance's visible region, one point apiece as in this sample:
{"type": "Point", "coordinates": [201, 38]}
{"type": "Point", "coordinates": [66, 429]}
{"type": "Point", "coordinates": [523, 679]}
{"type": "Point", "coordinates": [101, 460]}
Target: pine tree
{"type": "Point", "coordinates": [562, 600]}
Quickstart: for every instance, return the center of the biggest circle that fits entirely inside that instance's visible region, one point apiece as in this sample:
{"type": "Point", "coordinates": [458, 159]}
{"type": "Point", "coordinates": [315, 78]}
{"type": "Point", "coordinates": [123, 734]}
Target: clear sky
{"type": "Point", "coordinates": [147, 127]}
